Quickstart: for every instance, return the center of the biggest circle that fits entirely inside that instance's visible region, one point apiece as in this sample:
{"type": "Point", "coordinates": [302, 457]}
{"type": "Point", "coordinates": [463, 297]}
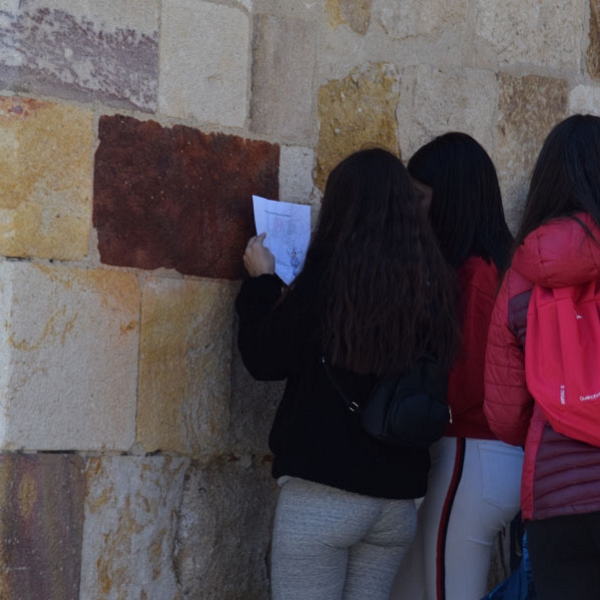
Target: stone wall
{"type": "Point", "coordinates": [133, 457]}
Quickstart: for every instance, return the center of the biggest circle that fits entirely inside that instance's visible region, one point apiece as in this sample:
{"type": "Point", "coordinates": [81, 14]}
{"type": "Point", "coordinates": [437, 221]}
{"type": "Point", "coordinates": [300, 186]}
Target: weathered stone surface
{"type": "Point", "coordinates": [41, 524]}
{"type": "Point", "coordinates": [45, 172]}
{"type": "Point", "coordinates": [178, 198]}
{"type": "Point", "coordinates": [68, 350]}
{"type": "Point", "coordinates": [547, 34]}
{"type": "Point", "coordinates": [584, 99]}
{"type": "Point", "coordinates": [282, 90]}
{"type": "Point", "coordinates": [253, 406]}
{"type": "Point", "coordinates": [224, 529]}
{"type": "Point", "coordinates": [411, 18]}
{"type": "Point", "coordinates": [436, 100]}
{"type": "Point", "coordinates": [593, 50]}
{"type": "Point", "coordinates": [355, 13]}
{"type": "Point", "coordinates": [527, 109]}
{"type": "Point", "coordinates": [87, 50]}
{"type": "Point", "coordinates": [358, 110]}
{"type": "Point", "coordinates": [204, 62]}
{"type": "Point", "coordinates": [131, 511]}
{"type": "Point", "coordinates": [185, 365]}
{"type": "Point", "coordinates": [295, 174]}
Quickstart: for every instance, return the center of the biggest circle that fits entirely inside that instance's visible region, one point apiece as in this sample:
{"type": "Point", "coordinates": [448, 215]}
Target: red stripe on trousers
{"type": "Point", "coordinates": [459, 460]}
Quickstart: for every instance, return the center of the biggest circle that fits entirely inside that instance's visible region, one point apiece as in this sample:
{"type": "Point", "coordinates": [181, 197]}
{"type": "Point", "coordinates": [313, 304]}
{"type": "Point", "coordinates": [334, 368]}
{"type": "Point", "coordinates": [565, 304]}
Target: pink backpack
{"type": "Point", "coordinates": [562, 358]}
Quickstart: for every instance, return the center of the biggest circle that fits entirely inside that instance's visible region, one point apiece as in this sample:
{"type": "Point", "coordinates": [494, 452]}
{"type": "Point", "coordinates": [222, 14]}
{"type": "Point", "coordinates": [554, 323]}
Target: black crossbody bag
{"type": "Point", "coordinates": [410, 409]}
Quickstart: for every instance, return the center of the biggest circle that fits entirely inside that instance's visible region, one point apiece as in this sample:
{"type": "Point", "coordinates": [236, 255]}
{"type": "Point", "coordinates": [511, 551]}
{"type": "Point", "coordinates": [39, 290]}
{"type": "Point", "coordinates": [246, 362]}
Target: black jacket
{"type": "Point", "coordinates": [314, 436]}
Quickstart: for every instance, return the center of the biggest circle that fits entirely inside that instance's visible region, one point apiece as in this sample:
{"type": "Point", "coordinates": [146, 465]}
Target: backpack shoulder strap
{"type": "Point", "coordinates": [350, 404]}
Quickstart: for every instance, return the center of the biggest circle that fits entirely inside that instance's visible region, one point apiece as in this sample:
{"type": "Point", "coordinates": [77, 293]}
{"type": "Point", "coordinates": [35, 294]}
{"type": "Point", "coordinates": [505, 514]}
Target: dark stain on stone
{"type": "Point", "coordinates": [178, 198]}
{"type": "Point", "coordinates": [41, 524]}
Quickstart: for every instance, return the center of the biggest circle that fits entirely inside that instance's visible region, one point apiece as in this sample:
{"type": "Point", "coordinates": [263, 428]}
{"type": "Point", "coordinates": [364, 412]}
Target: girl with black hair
{"type": "Point", "coordinates": [373, 295]}
{"type": "Point", "coordinates": [473, 488]}
{"type": "Point", "coordinates": [558, 245]}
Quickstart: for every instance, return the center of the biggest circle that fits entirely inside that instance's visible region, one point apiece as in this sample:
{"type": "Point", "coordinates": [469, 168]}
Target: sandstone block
{"type": "Point", "coordinates": [295, 174]}
{"type": "Point", "coordinates": [178, 198]}
{"type": "Point", "coordinates": [45, 173]}
{"type": "Point", "coordinates": [41, 526]}
{"type": "Point", "coordinates": [185, 365]}
{"type": "Point", "coordinates": [355, 13]}
{"type": "Point", "coordinates": [437, 100]}
{"type": "Point", "coordinates": [411, 18]}
{"type": "Point", "coordinates": [82, 50]}
{"type": "Point", "coordinates": [253, 406]}
{"type": "Point", "coordinates": [282, 91]}
{"type": "Point", "coordinates": [593, 49]}
{"type": "Point", "coordinates": [547, 34]}
{"type": "Point", "coordinates": [131, 510]}
{"type": "Point", "coordinates": [68, 350]}
{"type": "Point", "coordinates": [204, 62]}
{"type": "Point", "coordinates": [357, 110]}
{"type": "Point", "coordinates": [223, 537]}
{"type": "Point", "coordinates": [528, 108]}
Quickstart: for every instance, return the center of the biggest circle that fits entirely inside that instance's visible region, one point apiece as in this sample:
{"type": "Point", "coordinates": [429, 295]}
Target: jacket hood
{"type": "Point", "coordinates": [560, 253]}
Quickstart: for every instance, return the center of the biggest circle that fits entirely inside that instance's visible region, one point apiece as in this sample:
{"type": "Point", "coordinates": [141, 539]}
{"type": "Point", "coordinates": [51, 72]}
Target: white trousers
{"type": "Point", "coordinates": [329, 544]}
{"type": "Point", "coordinates": [473, 492]}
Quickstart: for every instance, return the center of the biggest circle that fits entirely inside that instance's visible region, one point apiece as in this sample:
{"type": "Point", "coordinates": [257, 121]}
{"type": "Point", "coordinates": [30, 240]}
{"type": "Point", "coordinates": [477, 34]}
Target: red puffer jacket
{"type": "Point", "coordinates": [561, 476]}
{"type": "Point", "coordinates": [479, 282]}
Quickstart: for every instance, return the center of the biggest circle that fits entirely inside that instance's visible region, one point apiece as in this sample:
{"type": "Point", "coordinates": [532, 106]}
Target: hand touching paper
{"type": "Point", "coordinates": [287, 226]}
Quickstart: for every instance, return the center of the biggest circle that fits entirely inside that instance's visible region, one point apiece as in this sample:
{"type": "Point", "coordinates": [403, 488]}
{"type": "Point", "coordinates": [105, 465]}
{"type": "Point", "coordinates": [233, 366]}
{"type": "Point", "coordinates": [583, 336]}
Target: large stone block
{"type": "Point", "coordinates": [45, 173]}
{"type": "Point", "coordinates": [88, 51]}
{"type": "Point", "coordinates": [412, 18]}
{"type": "Point", "coordinates": [436, 100]}
{"type": "Point", "coordinates": [178, 198]}
{"type": "Point", "coordinates": [528, 108]}
{"type": "Point", "coordinates": [282, 90]}
{"type": "Point", "coordinates": [546, 34]}
{"type": "Point", "coordinates": [204, 62]}
{"type": "Point", "coordinates": [41, 525]}
{"type": "Point", "coordinates": [357, 110]}
{"type": "Point", "coordinates": [253, 406]}
{"type": "Point", "coordinates": [131, 512]}
{"type": "Point", "coordinates": [224, 529]}
{"type": "Point", "coordinates": [68, 350]}
{"type": "Point", "coordinates": [185, 365]}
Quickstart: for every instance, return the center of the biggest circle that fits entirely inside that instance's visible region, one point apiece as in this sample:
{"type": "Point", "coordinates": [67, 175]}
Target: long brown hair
{"type": "Point", "coordinates": [566, 177]}
{"type": "Point", "coordinates": [390, 294]}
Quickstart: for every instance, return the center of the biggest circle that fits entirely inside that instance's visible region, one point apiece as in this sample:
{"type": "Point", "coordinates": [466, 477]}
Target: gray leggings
{"type": "Point", "coordinates": [334, 545]}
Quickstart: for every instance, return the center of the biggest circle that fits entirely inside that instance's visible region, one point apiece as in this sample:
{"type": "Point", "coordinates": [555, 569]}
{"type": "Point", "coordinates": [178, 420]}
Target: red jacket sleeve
{"type": "Point", "coordinates": [508, 405]}
{"type": "Point", "coordinates": [479, 284]}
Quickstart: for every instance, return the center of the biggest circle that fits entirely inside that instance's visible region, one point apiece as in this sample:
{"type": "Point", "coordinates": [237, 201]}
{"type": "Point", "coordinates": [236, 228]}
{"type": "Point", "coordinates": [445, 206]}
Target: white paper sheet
{"type": "Point", "coordinates": [287, 226]}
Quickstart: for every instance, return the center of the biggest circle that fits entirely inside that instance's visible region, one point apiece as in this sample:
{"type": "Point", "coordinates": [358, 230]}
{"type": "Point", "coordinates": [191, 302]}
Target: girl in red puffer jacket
{"type": "Point", "coordinates": [558, 245]}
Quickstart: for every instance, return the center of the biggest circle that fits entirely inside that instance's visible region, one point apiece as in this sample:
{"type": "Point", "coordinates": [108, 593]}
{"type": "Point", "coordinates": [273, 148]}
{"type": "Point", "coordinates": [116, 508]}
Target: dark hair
{"type": "Point", "coordinates": [566, 176]}
{"type": "Point", "coordinates": [466, 210]}
{"type": "Point", "coordinates": [390, 295]}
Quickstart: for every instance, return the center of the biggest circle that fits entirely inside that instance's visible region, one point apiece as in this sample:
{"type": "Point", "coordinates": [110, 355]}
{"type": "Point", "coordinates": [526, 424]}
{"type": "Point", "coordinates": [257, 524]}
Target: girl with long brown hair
{"type": "Point", "coordinates": [374, 294]}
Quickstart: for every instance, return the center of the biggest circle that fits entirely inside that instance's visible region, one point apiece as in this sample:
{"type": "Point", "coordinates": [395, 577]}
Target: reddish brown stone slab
{"type": "Point", "coordinates": [178, 198]}
{"type": "Point", "coordinates": [41, 526]}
